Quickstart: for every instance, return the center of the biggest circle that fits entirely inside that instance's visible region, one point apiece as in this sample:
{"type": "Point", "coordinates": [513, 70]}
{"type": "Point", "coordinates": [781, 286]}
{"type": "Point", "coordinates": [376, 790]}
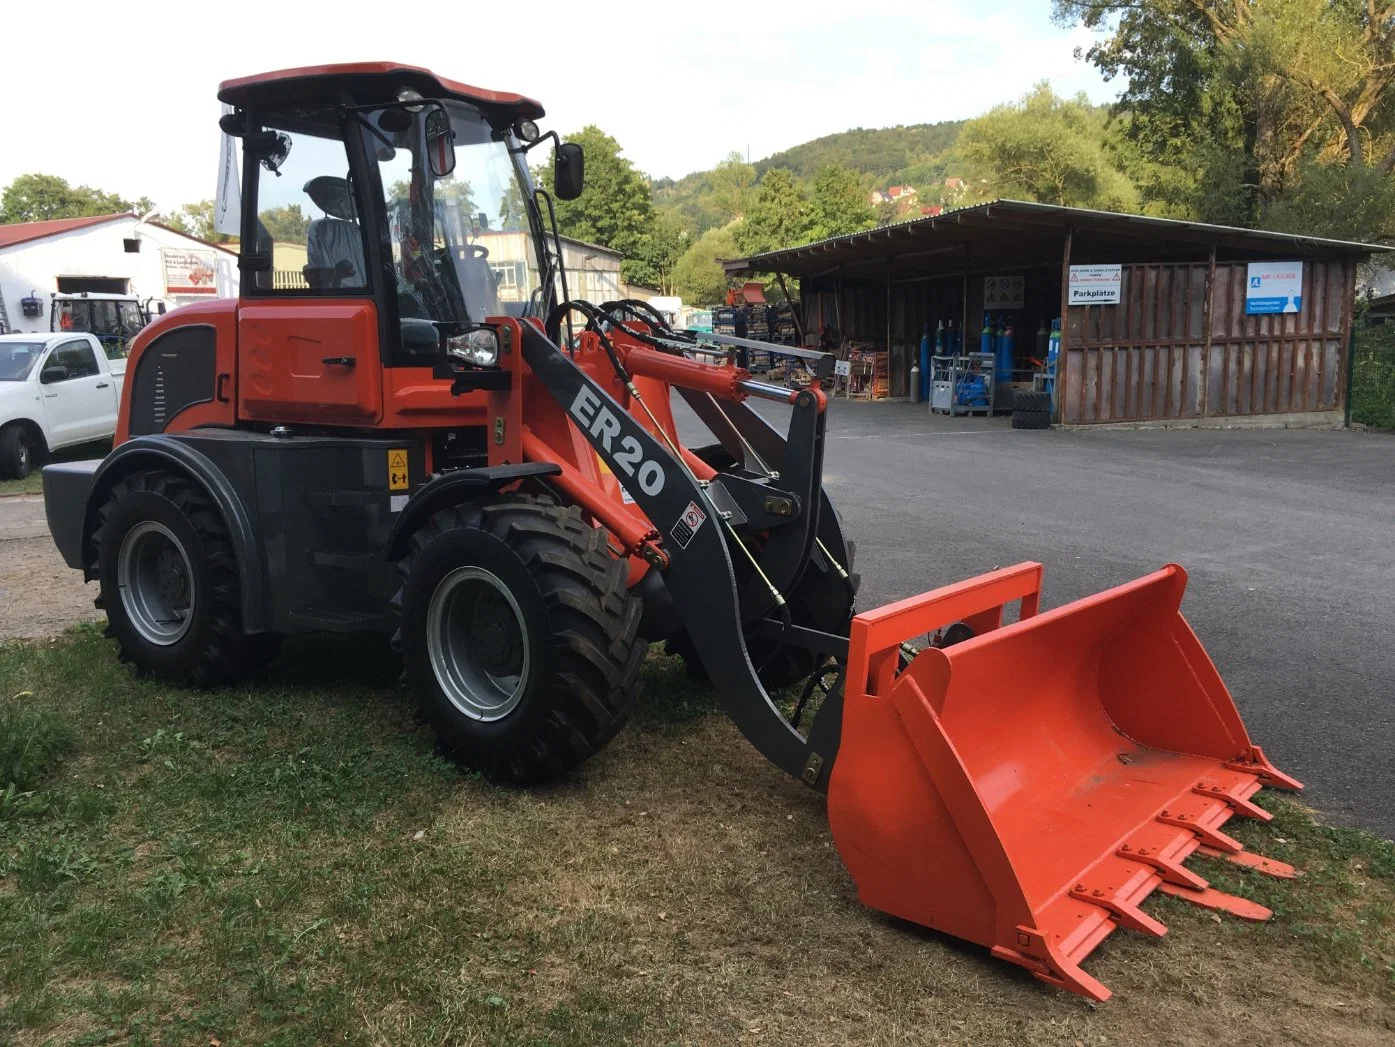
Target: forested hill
{"type": "Point", "coordinates": [914, 154]}
{"type": "Point", "coordinates": [909, 153]}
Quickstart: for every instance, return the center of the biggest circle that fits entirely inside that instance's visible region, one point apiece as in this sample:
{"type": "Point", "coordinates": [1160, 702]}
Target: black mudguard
{"type": "Point", "coordinates": [167, 451]}
{"type": "Point", "coordinates": [453, 488]}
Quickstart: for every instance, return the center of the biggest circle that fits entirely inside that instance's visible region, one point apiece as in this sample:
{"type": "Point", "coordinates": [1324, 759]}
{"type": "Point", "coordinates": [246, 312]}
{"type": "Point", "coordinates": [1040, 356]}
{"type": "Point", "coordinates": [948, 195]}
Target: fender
{"type": "Point", "coordinates": [460, 485]}
{"type": "Point", "coordinates": [144, 452]}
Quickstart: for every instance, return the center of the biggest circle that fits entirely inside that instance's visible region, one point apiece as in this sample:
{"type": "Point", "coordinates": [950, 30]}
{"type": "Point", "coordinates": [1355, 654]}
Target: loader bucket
{"type": "Point", "coordinates": [1028, 788]}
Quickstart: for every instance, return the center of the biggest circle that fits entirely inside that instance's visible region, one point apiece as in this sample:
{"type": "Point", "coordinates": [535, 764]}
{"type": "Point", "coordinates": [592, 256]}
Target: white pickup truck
{"type": "Point", "coordinates": [56, 390]}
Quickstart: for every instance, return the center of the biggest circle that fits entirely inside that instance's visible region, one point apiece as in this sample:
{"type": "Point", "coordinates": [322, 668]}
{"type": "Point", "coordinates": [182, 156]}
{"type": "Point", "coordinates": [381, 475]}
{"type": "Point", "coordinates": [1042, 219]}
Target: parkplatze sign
{"type": "Point", "coordinates": [1095, 284]}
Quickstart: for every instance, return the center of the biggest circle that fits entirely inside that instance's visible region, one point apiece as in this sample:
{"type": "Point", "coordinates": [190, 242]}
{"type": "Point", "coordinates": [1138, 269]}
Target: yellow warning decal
{"type": "Point", "coordinates": [397, 470]}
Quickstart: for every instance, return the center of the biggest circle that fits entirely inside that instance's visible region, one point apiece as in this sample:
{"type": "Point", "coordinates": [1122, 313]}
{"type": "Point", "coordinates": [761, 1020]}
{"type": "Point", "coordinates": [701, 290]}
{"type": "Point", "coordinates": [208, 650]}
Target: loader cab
{"type": "Point", "coordinates": [383, 211]}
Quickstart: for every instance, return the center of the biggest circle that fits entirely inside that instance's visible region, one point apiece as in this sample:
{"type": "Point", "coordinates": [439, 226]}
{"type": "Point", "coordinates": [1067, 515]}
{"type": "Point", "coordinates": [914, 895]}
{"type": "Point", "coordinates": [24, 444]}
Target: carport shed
{"type": "Point", "coordinates": [1177, 347]}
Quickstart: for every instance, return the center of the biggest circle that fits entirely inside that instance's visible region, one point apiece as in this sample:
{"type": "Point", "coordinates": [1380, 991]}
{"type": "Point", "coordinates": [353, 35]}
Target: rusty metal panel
{"type": "Point", "coordinates": [1278, 364]}
{"type": "Point", "coordinates": [1150, 357]}
{"type": "Point", "coordinates": [1142, 359]}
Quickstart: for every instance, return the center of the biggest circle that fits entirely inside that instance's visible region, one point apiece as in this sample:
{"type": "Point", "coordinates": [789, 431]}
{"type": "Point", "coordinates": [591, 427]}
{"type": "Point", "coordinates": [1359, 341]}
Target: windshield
{"type": "Point", "coordinates": [462, 245]}
{"type": "Point", "coordinates": [17, 359]}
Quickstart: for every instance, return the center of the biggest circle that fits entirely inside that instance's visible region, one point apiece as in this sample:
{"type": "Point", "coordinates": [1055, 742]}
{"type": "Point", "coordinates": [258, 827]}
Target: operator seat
{"type": "Point", "coordinates": [334, 244]}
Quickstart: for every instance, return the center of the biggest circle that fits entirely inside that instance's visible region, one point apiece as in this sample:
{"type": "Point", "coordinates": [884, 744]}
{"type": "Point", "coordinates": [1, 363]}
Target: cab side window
{"type": "Point", "coordinates": [307, 217]}
{"type": "Point", "coordinates": [77, 358]}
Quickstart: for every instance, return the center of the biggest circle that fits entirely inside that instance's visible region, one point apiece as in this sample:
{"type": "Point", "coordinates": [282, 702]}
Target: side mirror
{"type": "Point", "coordinates": [568, 171]}
{"type": "Point", "coordinates": [160, 308]}
{"type": "Point", "coordinates": [53, 373]}
{"type": "Point", "coordinates": [440, 142]}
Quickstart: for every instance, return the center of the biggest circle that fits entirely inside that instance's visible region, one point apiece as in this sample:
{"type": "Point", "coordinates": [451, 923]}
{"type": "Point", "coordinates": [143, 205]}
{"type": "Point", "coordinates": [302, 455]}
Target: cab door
{"type": "Point", "coordinates": [309, 361]}
{"type": "Point", "coordinates": [307, 340]}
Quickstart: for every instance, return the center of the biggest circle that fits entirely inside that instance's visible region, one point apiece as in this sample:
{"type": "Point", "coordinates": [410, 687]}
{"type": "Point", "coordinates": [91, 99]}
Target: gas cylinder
{"type": "Point", "coordinates": [1007, 339]}
{"type": "Point", "coordinates": [951, 340]}
{"type": "Point", "coordinates": [1043, 335]}
{"type": "Point", "coordinates": [988, 340]}
{"type": "Point", "coordinates": [1053, 353]}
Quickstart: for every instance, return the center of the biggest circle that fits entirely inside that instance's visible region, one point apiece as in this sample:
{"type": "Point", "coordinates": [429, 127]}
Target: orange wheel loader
{"type": "Point", "coordinates": [404, 424]}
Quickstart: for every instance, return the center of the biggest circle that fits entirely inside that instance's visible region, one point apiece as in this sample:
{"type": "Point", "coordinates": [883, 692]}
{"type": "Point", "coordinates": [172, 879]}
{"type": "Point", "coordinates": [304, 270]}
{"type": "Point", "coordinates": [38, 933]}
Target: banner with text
{"type": "Point", "coordinates": [190, 272]}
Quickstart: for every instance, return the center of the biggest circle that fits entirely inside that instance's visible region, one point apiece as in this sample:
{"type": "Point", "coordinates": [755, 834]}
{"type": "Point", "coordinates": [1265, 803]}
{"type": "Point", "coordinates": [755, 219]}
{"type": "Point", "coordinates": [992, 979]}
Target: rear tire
{"type": "Point", "coordinates": [169, 583]}
{"type": "Point", "coordinates": [1030, 420]}
{"type": "Point", "coordinates": [21, 451]}
{"type": "Point", "coordinates": [520, 636]}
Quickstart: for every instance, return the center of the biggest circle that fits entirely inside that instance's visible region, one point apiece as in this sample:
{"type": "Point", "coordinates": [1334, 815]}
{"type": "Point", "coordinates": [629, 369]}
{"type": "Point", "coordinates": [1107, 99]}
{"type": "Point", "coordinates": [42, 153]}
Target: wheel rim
{"type": "Point", "coordinates": [156, 582]}
{"type": "Point", "coordinates": [478, 644]}
{"type": "Point", "coordinates": [24, 454]}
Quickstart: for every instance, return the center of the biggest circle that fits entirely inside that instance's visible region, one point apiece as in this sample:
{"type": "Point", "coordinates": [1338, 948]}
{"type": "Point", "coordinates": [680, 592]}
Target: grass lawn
{"type": "Point", "coordinates": [34, 482]}
{"type": "Point", "coordinates": [292, 864]}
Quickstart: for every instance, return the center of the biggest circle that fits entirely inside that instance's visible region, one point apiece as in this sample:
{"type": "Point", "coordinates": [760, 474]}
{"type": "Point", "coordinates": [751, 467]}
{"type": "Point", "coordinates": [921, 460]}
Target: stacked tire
{"type": "Point", "coordinates": [1031, 410]}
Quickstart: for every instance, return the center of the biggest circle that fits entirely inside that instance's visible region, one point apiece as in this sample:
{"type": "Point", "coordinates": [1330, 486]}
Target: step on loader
{"type": "Point", "coordinates": [405, 424]}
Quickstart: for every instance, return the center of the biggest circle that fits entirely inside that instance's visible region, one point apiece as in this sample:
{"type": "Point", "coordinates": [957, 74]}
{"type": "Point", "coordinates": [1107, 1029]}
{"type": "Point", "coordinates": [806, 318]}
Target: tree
{"type": "Point", "coordinates": [838, 204]}
{"type": "Point", "coordinates": [729, 187]}
{"type": "Point", "coordinates": [197, 220]}
{"type": "Point", "coordinates": [287, 224]}
{"type": "Point", "coordinates": [615, 208]}
{"type": "Point", "coordinates": [1253, 99]}
{"type": "Point", "coordinates": [779, 215]}
{"type": "Point", "coordinates": [697, 276]}
{"type": "Point", "coordinates": [1048, 149]}
{"type": "Point", "coordinates": [42, 197]}
{"type": "Point", "coordinates": [658, 252]}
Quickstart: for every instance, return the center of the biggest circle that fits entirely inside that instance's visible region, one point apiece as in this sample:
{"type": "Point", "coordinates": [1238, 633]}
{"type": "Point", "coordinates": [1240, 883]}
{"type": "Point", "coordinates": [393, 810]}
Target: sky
{"type": "Point", "coordinates": [679, 86]}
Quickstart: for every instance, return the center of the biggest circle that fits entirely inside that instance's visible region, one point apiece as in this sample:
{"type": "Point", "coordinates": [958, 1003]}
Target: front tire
{"type": "Point", "coordinates": [169, 583]}
{"type": "Point", "coordinates": [520, 636]}
{"type": "Point", "coordinates": [21, 451]}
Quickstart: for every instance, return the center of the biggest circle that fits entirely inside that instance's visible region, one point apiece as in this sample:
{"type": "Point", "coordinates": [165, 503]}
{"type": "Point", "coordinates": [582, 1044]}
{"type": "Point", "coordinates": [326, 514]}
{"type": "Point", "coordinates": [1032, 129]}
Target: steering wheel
{"type": "Point", "coordinates": [476, 251]}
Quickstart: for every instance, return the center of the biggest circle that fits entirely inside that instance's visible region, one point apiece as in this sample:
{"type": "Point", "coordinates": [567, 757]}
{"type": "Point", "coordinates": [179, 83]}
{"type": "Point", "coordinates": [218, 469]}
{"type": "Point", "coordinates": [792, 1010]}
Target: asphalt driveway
{"type": "Point", "coordinates": [1288, 537]}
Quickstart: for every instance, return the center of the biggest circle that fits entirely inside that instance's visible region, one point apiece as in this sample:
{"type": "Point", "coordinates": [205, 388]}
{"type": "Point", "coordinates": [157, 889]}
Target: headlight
{"type": "Point", "coordinates": [479, 347]}
{"type": "Point", "coordinates": [409, 95]}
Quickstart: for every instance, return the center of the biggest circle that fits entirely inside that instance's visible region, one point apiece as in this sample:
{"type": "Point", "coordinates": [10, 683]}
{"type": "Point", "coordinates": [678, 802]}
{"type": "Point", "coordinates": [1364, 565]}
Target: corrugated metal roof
{"type": "Point", "coordinates": [1036, 215]}
{"type": "Point", "coordinates": [23, 232]}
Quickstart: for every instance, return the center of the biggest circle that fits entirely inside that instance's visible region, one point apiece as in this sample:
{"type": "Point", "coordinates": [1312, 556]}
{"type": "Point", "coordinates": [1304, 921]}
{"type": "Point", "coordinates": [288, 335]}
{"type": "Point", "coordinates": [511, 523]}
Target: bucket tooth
{"type": "Point", "coordinates": [1237, 795]}
{"type": "Point", "coordinates": [1256, 763]}
{"type": "Point", "coordinates": [1209, 834]}
{"type": "Point", "coordinates": [1256, 862]}
{"type": "Point", "coordinates": [1120, 903]}
{"type": "Point", "coordinates": [1048, 964]}
{"type": "Point", "coordinates": [1220, 901]}
{"type": "Point", "coordinates": [1170, 869]}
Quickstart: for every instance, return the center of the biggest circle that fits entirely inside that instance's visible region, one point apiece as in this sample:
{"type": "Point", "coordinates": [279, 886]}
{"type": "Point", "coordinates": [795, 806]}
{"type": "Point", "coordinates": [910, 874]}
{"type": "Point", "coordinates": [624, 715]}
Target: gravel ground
{"type": "Point", "coordinates": [39, 594]}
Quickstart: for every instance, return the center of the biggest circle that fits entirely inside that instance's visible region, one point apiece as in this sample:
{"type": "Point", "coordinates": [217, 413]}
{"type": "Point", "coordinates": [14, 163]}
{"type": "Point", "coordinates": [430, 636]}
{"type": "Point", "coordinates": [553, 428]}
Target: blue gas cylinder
{"type": "Point", "coordinates": [987, 341]}
{"type": "Point", "coordinates": [1053, 353]}
{"type": "Point", "coordinates": [1007, 344]}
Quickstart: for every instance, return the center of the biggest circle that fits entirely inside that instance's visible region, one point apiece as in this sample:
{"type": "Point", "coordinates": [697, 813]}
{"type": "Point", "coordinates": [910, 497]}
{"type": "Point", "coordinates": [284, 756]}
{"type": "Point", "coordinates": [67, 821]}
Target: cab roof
{"type": "Point", "coordinates": [366, 83]}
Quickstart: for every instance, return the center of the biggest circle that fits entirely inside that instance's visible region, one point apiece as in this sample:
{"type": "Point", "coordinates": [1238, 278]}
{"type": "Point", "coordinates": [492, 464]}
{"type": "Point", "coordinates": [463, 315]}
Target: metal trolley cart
{"type": "Point", "coordinates": [962, 384]}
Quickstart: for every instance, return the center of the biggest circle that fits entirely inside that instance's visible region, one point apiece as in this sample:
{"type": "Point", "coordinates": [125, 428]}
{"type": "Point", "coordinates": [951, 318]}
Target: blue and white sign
{"type": "Point", "coordinates": [1274, 287]}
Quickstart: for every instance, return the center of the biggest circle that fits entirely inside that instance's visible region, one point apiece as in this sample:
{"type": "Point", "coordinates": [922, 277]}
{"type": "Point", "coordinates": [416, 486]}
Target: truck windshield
{"type": "Point", "coordinates": [17, 359]}
{"type": "Point", "coordinates": [462, 244]}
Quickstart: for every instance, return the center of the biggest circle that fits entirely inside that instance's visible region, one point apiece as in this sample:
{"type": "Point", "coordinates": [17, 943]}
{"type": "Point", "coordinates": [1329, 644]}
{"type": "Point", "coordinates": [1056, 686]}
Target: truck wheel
{"type": "Point", "coordinates": [519, 636]}
{"type": "Point", "coordinates": [21, 450]}
{"type": "Point", "coordinates": [169, 583]}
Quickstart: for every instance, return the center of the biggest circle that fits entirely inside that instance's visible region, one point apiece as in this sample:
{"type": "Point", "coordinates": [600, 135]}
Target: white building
{"type": "Point", "coordinates": [111, 254]}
